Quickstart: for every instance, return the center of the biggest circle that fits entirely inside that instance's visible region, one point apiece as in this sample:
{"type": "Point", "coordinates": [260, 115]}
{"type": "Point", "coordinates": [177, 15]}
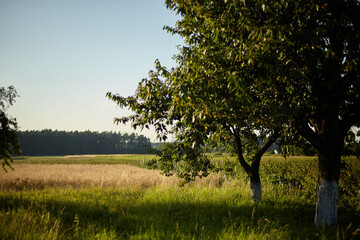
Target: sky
{"type": "Point", "coordinates": [64, 56]}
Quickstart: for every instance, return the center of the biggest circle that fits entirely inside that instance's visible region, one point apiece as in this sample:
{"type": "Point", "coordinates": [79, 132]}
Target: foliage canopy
{"type": "Point", "coordinates": [9, 143]}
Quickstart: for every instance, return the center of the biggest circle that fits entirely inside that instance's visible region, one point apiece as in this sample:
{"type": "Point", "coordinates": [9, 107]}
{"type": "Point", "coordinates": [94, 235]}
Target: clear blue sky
{"type": "Point", "coordinates": [63, 56]}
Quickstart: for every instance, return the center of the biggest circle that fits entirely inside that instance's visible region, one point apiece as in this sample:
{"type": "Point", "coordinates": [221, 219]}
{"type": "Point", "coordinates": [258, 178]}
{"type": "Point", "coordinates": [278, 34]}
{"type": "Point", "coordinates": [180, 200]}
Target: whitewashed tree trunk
{"type": "Point", "coordinates": [255, 187]}
{"type": "Point", "coordinates": [326, 203]}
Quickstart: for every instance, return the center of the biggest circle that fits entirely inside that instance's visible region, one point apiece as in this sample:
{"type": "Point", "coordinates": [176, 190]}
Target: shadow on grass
{"type": "Point", "coordinates": [130, 215]}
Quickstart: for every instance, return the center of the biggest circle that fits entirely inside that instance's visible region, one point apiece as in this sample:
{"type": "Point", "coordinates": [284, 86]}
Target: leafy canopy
{"type": "Point", "coordinates": [9, 143]}
{"type": "Point", "coordinates": [209, 96]}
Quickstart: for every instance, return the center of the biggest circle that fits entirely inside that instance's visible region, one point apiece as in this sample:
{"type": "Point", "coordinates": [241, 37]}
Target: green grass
{"type": "Point", "coordinates": [156, 213]}
{"type": "Point", "coordinates": [130, 159]}
{"type": "Point", "coordinates": [190, 212]}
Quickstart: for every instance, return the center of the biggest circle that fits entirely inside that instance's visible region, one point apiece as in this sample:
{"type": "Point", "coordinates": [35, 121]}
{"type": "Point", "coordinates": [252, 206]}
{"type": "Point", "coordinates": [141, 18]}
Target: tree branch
{"type": "Point", "coordinates": [305, 130]}
{"type": "Point", "coordinates": [272, 138]}
{"type": "Point", "coordinates": [238, 148]}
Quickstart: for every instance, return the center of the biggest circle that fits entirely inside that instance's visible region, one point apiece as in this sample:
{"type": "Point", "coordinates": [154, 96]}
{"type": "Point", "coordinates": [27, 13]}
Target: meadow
{"type": "Point", "coordinates": [117, 197]}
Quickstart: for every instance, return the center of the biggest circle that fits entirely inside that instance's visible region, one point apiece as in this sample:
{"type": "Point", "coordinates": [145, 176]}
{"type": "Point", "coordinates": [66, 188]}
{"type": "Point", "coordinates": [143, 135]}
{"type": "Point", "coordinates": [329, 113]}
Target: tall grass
{"type": "Point", "coordinates": [40, 176]}
{"type": "Point", "coordinates": [125, 202]}
{"type": "Point", "coordinates": [159, 213]}
{"type": "Point", "coordinates": [35, 176]}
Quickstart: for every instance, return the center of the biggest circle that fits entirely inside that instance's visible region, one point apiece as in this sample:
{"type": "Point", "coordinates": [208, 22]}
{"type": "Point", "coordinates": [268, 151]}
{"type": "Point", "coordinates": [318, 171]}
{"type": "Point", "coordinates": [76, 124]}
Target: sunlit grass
{"type": "Point", "coordinates": [158, 213]}
{"type": "Point", "coordinates": [103, 201]}
{"type": "Point", "coordinates": [130, 159]}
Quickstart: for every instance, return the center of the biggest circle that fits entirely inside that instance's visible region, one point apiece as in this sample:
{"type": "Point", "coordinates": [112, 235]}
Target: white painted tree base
{"type": "Point", "coordinates": [326, 203]}
{"type": "Point", "coordinates": [255, 188]}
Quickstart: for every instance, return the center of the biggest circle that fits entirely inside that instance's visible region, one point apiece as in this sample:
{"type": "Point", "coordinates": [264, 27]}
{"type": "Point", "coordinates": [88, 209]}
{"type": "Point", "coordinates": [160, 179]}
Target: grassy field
{"type": "Point", "coordinates": [110, 197]}
{"type": "Point", "coordinates": [130, 159]}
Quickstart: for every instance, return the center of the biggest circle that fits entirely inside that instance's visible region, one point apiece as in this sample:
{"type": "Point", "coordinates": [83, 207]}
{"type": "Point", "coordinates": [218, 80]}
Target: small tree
{"type": "Point", "coordinates": [196, 105]}
{"type": "Point", "coordinates": [203, 99]}
{"type": "Point", "coordinates": [9, 143]}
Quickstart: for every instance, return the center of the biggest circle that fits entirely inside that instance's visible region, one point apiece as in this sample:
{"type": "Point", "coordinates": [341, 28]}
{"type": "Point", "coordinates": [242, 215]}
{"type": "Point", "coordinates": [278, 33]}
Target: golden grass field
{"type": "Point", "coordinates": [38, 176]}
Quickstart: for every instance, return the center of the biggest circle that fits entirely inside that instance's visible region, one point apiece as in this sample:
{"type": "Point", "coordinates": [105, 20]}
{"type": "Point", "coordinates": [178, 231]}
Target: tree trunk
{"type": "Point", "coordinates": [327, 189]}
{"type": "Point", "coordinates": [253, 169]}
{"type": "Point", "coordinates": [328, 139]}
{"type": "Point", "coordinates": [255, 187]}
{"type": "Point", "coordinates": [326, 202]}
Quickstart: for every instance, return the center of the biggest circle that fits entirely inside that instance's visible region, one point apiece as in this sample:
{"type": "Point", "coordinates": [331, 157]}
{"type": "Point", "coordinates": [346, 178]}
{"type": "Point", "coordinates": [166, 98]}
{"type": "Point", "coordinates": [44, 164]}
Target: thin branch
{"type": "Point", "coordinates": [238, 147]}
{"type": "Point", "coordinates": [257, 158]}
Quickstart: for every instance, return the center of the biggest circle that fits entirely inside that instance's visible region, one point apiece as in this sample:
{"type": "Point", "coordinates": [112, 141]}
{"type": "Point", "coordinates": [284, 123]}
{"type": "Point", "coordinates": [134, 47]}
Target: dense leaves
{"type": "Point", "coordinates": [57, 143]}
{"type": "Point", "coordinates": [9, 143]}
{"type": "Point", "coordinates": [201, 100]}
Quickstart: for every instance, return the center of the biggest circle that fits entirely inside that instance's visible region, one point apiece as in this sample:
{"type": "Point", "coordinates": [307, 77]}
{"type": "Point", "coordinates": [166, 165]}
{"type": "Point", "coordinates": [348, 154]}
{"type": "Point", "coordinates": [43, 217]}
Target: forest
{"type": "Point", "coordinates": [57, 143]}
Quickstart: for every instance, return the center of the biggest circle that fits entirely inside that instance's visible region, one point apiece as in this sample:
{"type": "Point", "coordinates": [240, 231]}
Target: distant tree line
{"type": "Point", "coordinates": [54, 143]}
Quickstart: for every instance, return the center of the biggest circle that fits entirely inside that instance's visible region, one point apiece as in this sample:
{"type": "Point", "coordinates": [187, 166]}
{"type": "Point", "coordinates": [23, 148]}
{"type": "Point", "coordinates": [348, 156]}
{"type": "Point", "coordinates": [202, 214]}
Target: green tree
{"type": "Point", "coordinates": [309, 52]}
{"type": "Point", "coordinates": [246, 65]}
{"type": "Point", "coordinates": [197, 107]}
{"type": "Point", "coordinates": [9, 143]}
{"type": "Point", "coordinates": [306, 54]}
{"type": "Point", "coordinates": [202, 100]}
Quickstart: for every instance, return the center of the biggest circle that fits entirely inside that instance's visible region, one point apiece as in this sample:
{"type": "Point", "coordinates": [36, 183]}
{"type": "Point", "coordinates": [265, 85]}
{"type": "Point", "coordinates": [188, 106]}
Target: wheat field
{"type": "Point", "coordinates": [39, 176]}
